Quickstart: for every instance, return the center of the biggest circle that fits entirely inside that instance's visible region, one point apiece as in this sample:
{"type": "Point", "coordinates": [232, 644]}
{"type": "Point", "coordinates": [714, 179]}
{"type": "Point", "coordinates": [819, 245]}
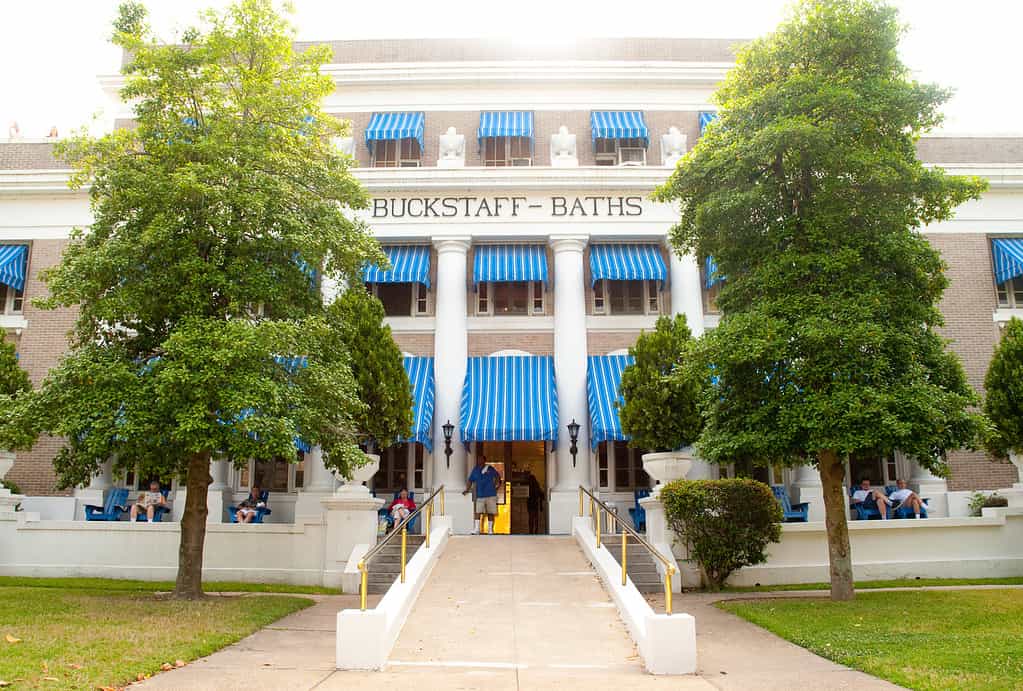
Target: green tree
{"type": "Point", "coordinates": [1003, 383]}
{"type": "Point", "coordinates": [213, 219]}
{"type": "Point", "coordinates": [661, 396]}
{"type": "Point", "coordinates": [376, 362]}
{"type": "Point", "coordinates": [808, 193]}
{"type": "Point", "coordinates": [13, 379]}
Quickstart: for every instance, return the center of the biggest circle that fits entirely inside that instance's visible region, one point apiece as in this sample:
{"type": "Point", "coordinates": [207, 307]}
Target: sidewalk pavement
{"type": "Point", "coordinates": [512, 613]}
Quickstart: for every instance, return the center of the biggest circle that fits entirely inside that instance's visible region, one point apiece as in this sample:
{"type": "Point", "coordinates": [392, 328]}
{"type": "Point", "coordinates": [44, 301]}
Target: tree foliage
{"type": "Point", "coordinates": [1003, 384]}
{"type": "Point", "coordinates": [808, 193]}
{"type": "Point", "coordinates": [660, 391]}
{"type": "Point", "coordinates": [13, 379]}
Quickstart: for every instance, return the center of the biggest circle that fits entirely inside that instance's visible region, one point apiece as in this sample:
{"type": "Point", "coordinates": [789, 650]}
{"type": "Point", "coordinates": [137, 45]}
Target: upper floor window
{"type": "Point", "coordinates": [1010, 293]}
{"type": "Point", "coordinates": [404, 288]}
{"type": "Point", "coordinates": [402, 299]}
{"type": "Point", "coordinates": [509, 279]}
{"type": "Point", "coordinates": [620, 137]}
{"type": "Point", "coordinates": [626, 297]}
{"type": "Point", "coordinates": [506, 138]}
{"type": "Point", "coordinates": [13, 300]}
{"type": "Point", "coordinates": [395, 140]}
{"type": "Point", "coordinates": [620, 152]}
{"type": "Point", "coordinates": [13, 271]}
{"type": "Point", "coordinates": [510, 298]}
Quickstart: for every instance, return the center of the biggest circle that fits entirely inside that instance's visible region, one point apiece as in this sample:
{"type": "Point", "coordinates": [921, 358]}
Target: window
{"type": "Point", "coordinates": [398, 463]}
{"type": "Point", "coordinates": [510, 298]}
{"type": "Point", "coordinates": [615, 460]}
{"type": "Point", "coordinates": [626, 297]}
{"type": "Point", "coordinates": [507, 151]}
{"type": "Point", "coordinates": [880, 470]}
{"type": "Point", "coordinates": [278, 475]}
{"type": "Point", "coordinates": [13, 301]}
{"type": "Point", "coordinates": [401, 299]}
{"type": "Point", "coordinates": [620, 152]}
{"type": "Point", "coordinates": [1010, 293]}
{"type": "Point", "coordinates": [396, 153]}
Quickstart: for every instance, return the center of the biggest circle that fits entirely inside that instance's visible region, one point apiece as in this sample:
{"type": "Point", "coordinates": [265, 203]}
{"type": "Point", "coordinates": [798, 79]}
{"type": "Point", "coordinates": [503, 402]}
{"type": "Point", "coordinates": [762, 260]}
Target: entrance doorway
{"type": "Point", "coordinates": [522, 505]}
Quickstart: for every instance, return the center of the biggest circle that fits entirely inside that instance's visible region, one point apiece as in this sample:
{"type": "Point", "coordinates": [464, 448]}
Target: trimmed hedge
{"type": "Point", "coordinates": [725, 524]}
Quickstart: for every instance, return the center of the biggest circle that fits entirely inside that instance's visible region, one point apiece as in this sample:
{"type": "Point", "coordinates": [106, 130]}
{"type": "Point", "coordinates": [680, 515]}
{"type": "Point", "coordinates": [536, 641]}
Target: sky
{"type": "Point", "coordinates": [51, 52]}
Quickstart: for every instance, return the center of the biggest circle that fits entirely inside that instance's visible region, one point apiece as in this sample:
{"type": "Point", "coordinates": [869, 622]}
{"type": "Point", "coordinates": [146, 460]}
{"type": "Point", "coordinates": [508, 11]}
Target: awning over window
{"type": "Point", "coordinates": [510, 123]}
{"type": "Point", "coordinates": [510, 398]}
{"type": "Point", "coordinates": [409, 264]}
{"type": "Point", "coordinates": [619, 124]}
{"type": "Point", "coordinates": [711, 275]}
{"type": "Point", "coordinates": [625, 262]}
{"type": "Point", "coordinates": [390, 126]}
{"type": "Point", "coordinates": [13, 260]}
{"type": "Point", "coordinates": [603, 391]}
{"type": "Point", "coordinates": [420, 376]}
{"type": "Point", "coordinates": [1007, 254]}
{"type": "Point", "coordinates": [706, 117]}
{"type": "Point", "coordinates": [509, 263]}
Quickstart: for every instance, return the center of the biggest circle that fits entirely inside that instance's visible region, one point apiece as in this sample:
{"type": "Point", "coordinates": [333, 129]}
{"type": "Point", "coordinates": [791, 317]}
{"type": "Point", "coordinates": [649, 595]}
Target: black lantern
{"type": "Point", "coordinates": [449, 429]}
{"type": "Point", "coordinates": [573, 435]}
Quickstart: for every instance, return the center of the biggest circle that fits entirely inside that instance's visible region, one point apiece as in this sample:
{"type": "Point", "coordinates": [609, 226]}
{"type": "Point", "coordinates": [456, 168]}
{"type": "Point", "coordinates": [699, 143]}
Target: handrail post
{"type": "Point", "coordinates": [426, 524]}
{"type": "Point", "coordinates": [580, 501]}
{"type": "Point", "coordinates": [625, 556]}
{"type": "Point", "coordinates": [404, 535]}
{"type": "Point", "coordinates": [363, 585]}
{"type": "Point", "coordinates": [600, 517]}
{"type": "Point", "coordinates": [667, 589]}
{"type": "Point", "coordinates": [442, 513]}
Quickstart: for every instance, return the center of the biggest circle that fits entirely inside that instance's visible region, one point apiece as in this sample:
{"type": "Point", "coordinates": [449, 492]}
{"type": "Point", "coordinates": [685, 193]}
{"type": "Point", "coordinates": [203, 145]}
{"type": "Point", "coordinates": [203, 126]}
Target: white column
{"type": "Point", "coordinates": [218, 495]}
{"type": "Point", "coordinates": [570, 372]}
{"type": "Point", "coordinates": [317, 483]}
{"type": "Point", "coordinates": [450, 350]}
{"type": "Point", "coordinates": [686, 291]}
{"type": "Point", "coordinates": [103, 480]}
{"type": "Point", "coordinates": [809, 489]}
{"type": "Point", "coordinates": [930, 487]}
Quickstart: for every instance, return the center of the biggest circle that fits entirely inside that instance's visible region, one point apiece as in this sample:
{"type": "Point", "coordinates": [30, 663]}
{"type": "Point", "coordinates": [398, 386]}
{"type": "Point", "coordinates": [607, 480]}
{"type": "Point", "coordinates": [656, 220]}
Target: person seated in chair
{"type": "Point", "coordinates": [903, 496]}
{"type": "Point", "coordinates": [401, 507]}
{"type": "Point", "coordinates": [870, 495]}
{"type": "Point", "coordinates": [249, 508]}
{"type": "Point", "coordinates": [148, 502]}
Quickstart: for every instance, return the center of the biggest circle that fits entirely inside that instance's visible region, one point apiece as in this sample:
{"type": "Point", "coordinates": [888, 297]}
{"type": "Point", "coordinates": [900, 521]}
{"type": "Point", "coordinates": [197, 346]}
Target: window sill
{"type": "Point", "coordinates": [621, 322]}
{"type": "Point", "coordinates": [1004, 314]}
{"type": "Point", "coordinates": [13, 322]}
{"type": "Point", "coordinates": [711, 321]}
{"type": "Point", "coordinates": [407, 324]}
{"type": "Point", "coordinates": [485, 323]}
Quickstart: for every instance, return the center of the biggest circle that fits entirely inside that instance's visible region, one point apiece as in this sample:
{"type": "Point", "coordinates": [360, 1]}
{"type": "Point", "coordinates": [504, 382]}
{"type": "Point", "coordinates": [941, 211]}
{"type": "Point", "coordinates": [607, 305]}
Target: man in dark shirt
{"type": "Point", "coordinates": [534, 503]}
{"type": "Point", "coordinates": [486, 479]}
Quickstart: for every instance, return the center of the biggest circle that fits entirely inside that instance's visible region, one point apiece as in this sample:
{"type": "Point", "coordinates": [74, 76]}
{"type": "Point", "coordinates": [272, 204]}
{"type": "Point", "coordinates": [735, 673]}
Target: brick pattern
{"type": "Point", "coordinates": [535, 342]}
{"type": "Point", "coordinates": [967, 306]}
{"type": "Point", "coordinates": [415, 343]}
{"type": "Point", "coordinates": [604, 342]}
{"type": "Point", "coordinates": [970, 149]}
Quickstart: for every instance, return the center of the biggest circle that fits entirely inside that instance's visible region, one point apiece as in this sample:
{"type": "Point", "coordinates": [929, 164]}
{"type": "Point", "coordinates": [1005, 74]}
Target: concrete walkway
{"type": "Point", "coordinates": [512, 613]}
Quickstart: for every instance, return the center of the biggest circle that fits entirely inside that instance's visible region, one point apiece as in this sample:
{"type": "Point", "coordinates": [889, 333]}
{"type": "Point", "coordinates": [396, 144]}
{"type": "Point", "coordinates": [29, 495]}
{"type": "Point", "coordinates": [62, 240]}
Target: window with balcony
{"type": "Point", "coordinates": [620, 152]}
{"type": "Point", "coordinates": [626, 297]}
{"type": "Point", "coordinates": [510, 298]}
{"type": "Point", "coordinates": [397, 153]}
{"type": "Point", "coordinates": [506, 151]}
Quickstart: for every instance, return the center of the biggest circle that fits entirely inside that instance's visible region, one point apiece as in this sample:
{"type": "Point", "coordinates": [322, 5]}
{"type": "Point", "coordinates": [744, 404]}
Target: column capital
{"type": "Point", "coordinates": [452, 243]}
{"type": "Point", "coordinates": [569, 243]}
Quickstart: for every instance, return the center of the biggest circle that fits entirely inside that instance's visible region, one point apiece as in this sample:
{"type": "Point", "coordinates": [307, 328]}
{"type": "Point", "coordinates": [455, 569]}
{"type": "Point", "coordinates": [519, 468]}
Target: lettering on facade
{"type": "Point", "coordinates": [505, 207]}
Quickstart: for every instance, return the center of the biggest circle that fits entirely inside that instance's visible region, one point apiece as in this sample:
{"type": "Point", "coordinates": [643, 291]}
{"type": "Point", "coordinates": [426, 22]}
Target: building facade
{"type": "Point", "coordinates": [510, 191]}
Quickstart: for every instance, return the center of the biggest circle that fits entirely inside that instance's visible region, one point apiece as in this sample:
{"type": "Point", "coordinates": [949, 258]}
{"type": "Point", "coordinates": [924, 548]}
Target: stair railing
{"type": "Point", "coordinates": [598, 512]}
{"type": "Point", "coordinates": [426, 509]}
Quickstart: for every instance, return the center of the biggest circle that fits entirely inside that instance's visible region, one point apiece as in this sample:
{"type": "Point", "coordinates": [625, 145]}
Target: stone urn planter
{"type": "Point", "coordinates": [1017, 460]}
{"type": "Point", "coordinates": [353, 484]}
{"type": "Point", "coordinates": [667, 466]}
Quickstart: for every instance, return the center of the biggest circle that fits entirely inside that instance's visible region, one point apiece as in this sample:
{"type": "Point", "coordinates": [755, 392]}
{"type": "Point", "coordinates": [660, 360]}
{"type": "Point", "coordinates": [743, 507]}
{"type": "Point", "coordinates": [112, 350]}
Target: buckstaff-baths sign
{"type": "Point", "coordinates": [506, 207]}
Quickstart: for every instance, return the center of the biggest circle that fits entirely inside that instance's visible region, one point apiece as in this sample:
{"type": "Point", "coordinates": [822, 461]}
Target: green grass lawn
{"type": "Point", "coordinates": [160, 586]}
{"type": "Point", "coordinates": [89, 637]}
{"type": "Point", "coordinates": [867, 585]}
{"type": "Point", "coordinates": [970, 639]}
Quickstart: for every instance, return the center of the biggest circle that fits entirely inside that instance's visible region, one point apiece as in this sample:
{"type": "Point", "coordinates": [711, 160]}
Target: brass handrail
{"type": "Point", "coordinates": [669, 568]}
{"type": "Point", "coordinates": [426, 508]}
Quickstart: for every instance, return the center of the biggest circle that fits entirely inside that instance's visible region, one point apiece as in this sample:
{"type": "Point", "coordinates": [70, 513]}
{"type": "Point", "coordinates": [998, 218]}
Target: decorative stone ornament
{"type": "Point", "coordinates": [452, 149]}
{"type": "Point", "coordinates": [353, 485]}
{"type": "Point", "coordinates": [667, 466]}
{"type": "Point", "coordinates": [673, 147]}
{"type": "Point", "coordinates": [344, 145]}
{"type": "Point", "coordinates": [563, 149]}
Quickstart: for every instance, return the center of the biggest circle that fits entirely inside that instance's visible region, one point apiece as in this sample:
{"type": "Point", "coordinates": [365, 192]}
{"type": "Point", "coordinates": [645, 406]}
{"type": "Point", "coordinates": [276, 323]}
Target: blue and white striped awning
{"type": "Point", "coordinates": [603, 391]}
{"type": "Point", "coordinates": [420, 376]}
{"type": "Point", "coordinates": [390, 126]}
{"type": "Point", "coordinates": [1007, 254]}
{"type": "Point", "coordinates": [706, 117]}
{"type": "Point", "coordinates": [625, 262]}
{"type": "Point", "coordinates": [711, 275]}
{"type": "Point", "coordinates": [509, 263]}
{"type": "Point", "coordinates": [511, 398]}
{"type": "Point", "coordinates": [513, 123]}
{"type": "Point", "coordinates": [409, 264]}
{"type": "Point", "coordinates": [619, 124]}
{"type": "Point", "coordinates": [13, 262]}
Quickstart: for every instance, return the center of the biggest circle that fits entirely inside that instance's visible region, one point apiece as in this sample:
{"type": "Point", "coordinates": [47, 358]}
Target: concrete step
{"type": "Point", "coordinates": [640, 566]}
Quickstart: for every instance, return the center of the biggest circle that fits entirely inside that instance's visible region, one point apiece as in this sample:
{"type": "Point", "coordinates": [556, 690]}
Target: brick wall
{"type": "Point", "coordinates": [415, 343]}
{"type": "Point", "coordinates": [604, 342]}
{"type": "Point", "coordinates": [968, 304]}
{"type": "Point", "coordinates": [535, 342]}
{"type": "Point", "coordinates": [39, 349]}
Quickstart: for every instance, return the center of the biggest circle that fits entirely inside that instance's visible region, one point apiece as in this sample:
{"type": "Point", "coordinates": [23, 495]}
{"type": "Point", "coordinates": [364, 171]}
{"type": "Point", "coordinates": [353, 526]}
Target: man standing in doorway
{"type": "Point", "coordinates": [486, 479]}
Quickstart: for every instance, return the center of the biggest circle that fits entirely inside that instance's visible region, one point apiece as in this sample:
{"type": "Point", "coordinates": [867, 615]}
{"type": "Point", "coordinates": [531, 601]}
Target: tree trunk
{"type": "Point", "coordinates": [193, 529]}
{"type": "Point", "coordinates": [839, 553]}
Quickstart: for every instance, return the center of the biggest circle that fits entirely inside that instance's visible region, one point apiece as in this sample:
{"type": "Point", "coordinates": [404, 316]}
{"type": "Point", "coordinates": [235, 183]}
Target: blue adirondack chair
{"type": "Point", "coordinates": [261, 512]}
{"type": "Point", "coordinates": [791, 513]}
{"type": "Point", "coordinates": [115, 505]}
{"type": "Point", "coordinates": [865, 510]}
{"type": "Point", "coordinates": [160, 510]}
{"type": "Point", "coordinates": [905, 511]}
{"type": "Point", "coordinates": [637, 512]}
{"type": "Point", "coordinates": [385, 513]}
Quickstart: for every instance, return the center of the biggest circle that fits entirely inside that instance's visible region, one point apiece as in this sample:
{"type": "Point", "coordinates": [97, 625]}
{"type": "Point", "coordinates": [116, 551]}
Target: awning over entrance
{"type": "Point", "coordinates": [390, 126]}
{"type": "Point", "coordinates": [13, 259]}
{"type": "Point", "coordinates": [420, 375]}
{"type": "Point", "coordinates": [1008, 258]}
{"type": "Point", "coordinates": [409, 264]}
{"type": "Point", "coordinates": [711, 274]}
{"type": "Point", "coordinates": [624, 262]}
{"type": "Point", "coordinates": [603, 385]}
{"type": "Point", "coordinates": [619, 124]}
{"type": "Point", "coordinates": [509, 263]}
{"type": "Point", "coordinates": [508, 123]}
{"type": "Point", "coordinates": [511, 398]}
